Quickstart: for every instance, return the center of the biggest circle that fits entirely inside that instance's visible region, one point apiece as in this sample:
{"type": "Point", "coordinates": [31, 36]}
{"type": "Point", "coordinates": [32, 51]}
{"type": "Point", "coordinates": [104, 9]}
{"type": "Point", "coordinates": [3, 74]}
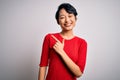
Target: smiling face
{"type": "Point", "coordinates": [66, 20]}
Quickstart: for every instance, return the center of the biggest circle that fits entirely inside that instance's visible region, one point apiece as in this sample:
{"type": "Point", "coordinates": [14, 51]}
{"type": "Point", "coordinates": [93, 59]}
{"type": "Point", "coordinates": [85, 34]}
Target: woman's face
{"type": "Point", "coordinates": [66, 20]}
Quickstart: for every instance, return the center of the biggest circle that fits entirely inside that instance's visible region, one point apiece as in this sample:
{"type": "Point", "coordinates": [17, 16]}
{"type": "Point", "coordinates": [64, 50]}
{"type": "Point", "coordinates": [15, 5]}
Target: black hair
{"type": "Point", "coordinates": [68, 7]}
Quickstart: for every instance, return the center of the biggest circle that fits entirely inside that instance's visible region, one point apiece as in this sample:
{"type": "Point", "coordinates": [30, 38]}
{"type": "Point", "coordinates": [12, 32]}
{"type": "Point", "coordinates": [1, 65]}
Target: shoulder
{"type": "Point", "coordinates": [49, 39]}
{"type": "Point", "coordinates": [48, 35]}
{"type": "Point", "coordinates": [81, 40]}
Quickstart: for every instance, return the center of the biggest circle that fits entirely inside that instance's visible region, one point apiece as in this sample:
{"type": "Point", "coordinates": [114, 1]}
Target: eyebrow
{"type": "Point", "coordinates": [61, 15]}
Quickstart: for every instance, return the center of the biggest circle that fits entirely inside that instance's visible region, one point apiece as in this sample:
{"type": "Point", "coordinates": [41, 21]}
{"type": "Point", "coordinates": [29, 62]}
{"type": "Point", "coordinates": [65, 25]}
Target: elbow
{"type": "Point", "coordinates": [79, 75]}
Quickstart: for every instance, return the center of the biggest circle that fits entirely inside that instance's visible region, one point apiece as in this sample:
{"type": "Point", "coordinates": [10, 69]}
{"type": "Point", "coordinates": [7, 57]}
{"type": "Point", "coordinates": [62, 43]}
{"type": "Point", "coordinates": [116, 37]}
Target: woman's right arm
{"type": "Point", "coordinates": [42, 73]}
{"type": "Point", "coordinates": [44, 58]}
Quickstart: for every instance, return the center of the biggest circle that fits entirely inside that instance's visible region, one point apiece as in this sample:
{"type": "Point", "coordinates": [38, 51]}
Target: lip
{"type": "Point", "coordinates": [68, 24]}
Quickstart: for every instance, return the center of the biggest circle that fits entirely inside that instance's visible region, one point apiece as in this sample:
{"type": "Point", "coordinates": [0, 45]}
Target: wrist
{"type": "Point", "coordinates": [62, 53]}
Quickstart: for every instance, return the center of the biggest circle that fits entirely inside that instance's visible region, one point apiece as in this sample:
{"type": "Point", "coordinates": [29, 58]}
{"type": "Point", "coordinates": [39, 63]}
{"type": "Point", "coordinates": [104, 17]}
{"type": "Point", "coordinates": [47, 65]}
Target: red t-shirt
{"type": "Point", "coordinates": [75, 48]}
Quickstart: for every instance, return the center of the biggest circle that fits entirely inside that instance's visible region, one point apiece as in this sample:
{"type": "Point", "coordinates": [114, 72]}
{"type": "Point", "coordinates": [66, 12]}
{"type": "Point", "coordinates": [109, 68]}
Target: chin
{"type": "Point", "coordinates": [68, 29]}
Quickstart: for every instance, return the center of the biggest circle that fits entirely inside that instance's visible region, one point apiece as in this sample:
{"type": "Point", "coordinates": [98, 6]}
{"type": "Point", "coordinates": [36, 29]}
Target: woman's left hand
{"type": "Point", "coordinates": [58, 46]}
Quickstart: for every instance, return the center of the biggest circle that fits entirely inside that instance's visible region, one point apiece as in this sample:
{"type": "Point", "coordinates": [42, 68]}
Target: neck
{"type": "Point", "coordinates": [67, 34]}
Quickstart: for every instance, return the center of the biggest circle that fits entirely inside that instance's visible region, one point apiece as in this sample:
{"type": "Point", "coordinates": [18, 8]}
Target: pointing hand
{"type": "Point", "coordinates": [58, 46]}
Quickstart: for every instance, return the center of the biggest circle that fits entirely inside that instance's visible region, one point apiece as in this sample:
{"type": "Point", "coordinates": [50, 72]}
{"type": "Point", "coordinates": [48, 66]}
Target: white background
{"type": "Point", "coordinates": [24, 23]}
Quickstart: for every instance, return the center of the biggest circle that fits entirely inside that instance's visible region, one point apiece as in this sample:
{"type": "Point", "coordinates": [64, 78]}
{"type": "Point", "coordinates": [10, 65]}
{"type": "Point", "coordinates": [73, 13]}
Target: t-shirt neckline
{"type": "Point", "coordinates": [66, 39]}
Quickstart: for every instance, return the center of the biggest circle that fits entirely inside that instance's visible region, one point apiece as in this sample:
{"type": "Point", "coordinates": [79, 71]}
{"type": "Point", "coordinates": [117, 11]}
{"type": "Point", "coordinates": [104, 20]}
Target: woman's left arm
{"type": "Point", "coordinates": [74, 68]}
{"type": "Point", "coordinates": [71, 65]}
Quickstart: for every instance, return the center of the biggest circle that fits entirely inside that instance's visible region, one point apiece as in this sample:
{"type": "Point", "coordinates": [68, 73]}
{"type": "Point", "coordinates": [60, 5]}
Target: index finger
{"type": "Point", "coordinates": [55, 38]}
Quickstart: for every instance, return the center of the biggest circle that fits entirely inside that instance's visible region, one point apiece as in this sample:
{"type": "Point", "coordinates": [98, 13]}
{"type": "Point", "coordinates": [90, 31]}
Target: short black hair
{"type": "Point", "coordinates": [68, 7]}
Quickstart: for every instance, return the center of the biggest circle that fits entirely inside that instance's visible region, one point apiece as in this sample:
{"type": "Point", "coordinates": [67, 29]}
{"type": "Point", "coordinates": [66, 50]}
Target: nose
{"type": "Point", "coordinates": [67, 19]}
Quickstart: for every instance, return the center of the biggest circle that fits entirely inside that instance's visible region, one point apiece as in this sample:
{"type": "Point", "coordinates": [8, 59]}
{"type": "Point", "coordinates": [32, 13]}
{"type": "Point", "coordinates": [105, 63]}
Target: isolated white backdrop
{"type": "Point", "coordinates": [24, 23]}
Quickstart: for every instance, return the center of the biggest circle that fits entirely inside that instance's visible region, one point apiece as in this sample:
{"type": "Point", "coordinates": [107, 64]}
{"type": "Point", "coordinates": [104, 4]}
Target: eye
{"type": "Point", "coordinates": [61, 17]}
{"type": "Point", "coordinates": [70, 15]}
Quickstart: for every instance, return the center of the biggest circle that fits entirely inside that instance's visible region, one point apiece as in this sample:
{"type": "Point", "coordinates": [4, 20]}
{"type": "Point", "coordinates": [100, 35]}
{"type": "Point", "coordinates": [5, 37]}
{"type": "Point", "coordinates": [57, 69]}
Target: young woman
{"type": "Point", "coordinates": [63, 52]}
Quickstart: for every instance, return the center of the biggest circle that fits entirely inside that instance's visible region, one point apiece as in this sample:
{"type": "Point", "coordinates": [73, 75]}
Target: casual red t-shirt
{"type": "Point", "coordinates": [75, 48]}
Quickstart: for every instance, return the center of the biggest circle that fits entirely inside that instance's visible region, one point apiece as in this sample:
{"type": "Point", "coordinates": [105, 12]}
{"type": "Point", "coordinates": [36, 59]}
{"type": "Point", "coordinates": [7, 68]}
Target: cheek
{"type": "Point", "coordinates": [74, 21]}
{"type": "Point", "coordinates": [61, 22]}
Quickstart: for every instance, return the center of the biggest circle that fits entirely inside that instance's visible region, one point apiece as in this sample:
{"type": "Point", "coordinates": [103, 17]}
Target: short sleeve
{"type": "Point", "coordinates": [45, 52]}
{"type": "Point", "coordinates": [82, 56]}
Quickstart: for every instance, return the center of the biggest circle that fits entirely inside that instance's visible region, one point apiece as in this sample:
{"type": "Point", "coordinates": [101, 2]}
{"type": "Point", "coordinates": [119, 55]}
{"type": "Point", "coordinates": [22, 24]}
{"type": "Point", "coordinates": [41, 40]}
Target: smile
{"type": "Point", "coordinates": [67, 25]}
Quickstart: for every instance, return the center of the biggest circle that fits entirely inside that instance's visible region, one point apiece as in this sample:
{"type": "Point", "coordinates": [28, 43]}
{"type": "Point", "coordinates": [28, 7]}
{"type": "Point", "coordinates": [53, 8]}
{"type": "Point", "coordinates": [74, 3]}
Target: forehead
{"type": "Point", "coordinates": [63, 12]}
